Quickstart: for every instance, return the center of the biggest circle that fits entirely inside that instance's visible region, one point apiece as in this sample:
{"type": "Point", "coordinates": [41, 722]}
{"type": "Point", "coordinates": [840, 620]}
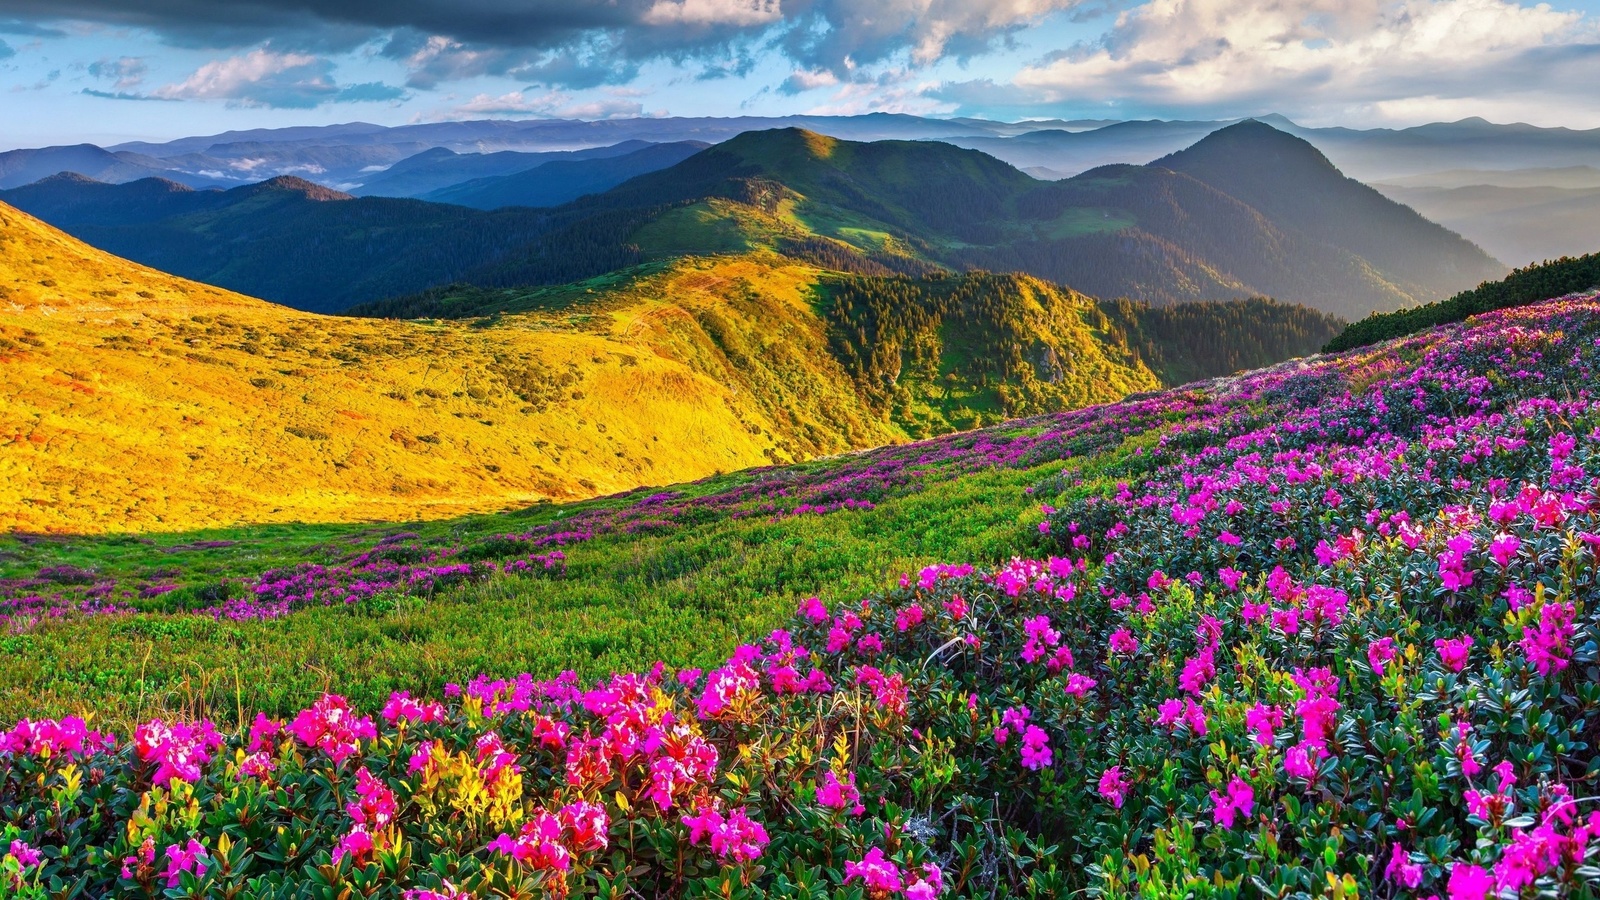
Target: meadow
{"type": "Point", "coordinates": [1326, 629]}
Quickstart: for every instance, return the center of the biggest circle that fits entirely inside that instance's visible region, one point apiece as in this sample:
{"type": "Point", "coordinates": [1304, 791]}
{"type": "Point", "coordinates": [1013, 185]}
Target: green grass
{"type": "Point", "coordinates": [686, 597]}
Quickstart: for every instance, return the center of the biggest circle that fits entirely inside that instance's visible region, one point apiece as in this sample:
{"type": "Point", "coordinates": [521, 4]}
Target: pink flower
{"type": "Point", "coordinates": [1229, 538]}
{"type": "Point", "coordinates": [734, 837]}
{"type": "Point", "coordinates": [586, 825]}
{"type": "Point", "coordinates": [1300, 761]}
{"type": "Point", "coordinates": [1401, 870]}
{"type": "Point", "coordinates": [1468, 882]}
{"type": "Point", "coordinates": [1264, 721]}
{"type": "Point", "coordinates": [1180, 711]}
{"type": "Point", "coordinates": [1240, 800]}
{"type": "Point", "coordinates": [876, 873]}
{"type": "Point", "coordinates": [67, 737]}
{"type": "Point", "coordinates": [1079, 685]}
{"type": "Point", "coordinates": [929, 886]}
{"type": "Point", "coordinates": [331, 726]}
{"type": "Point", "coordinates": [1113, 787]}
{"type": "Point", "coordinates": [26, 856]}
{"type": "Point", "coordinates": [1035, 748]}
{"type": "Point", "coordinates": [1503, 549]}
{"type": "Point", "coordinates": [1379, 653]}
{"type": "Point", "coordinates": [812, 608]}
{"type": "Point", "coordinates": [538, 845]}
{"type": "Point", "coordinates": [188, 858]}
{"type": "Point", "coordinates": [375, 806]}
{"type": "Point", "coordinates": [401, 708]}
{"type": "Point", "coordinates": [180, 749]}
{"type": "Point", "coordinates": [908, 618]}
{"type": "Point", "coordinates": [1231, 578]}
{"type": "Point", "coordinates": [1453, 653]}
{"type": "Point", "coordinates": [1122, 641]}
{"type": "Point", "coordinates": [263, 734]}
{"type": "Point", "coordinates": [1548, 644]}
{"type": "Point", "coordinates": [840, 795]}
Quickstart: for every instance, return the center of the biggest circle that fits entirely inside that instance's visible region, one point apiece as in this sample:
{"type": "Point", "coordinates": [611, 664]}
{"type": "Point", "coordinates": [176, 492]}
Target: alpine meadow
{"type": "Point", "coordinates": [799, 451]}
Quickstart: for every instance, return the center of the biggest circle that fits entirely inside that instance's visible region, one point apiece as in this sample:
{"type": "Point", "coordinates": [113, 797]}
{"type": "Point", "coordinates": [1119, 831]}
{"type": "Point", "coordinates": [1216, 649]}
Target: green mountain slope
{"type": "Point", "coordinates": [909, 207]}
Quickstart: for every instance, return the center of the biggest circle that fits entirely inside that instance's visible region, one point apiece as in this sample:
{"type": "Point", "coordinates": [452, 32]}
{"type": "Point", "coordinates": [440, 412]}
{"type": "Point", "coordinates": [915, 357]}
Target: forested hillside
{"type": "Point", "coordinates": [1527, 285]}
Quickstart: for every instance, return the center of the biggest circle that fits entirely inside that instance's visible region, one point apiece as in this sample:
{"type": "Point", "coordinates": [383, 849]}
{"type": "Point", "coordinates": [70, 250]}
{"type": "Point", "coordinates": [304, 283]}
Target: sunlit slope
{"type": "Point", "coordinates": [133, 400]}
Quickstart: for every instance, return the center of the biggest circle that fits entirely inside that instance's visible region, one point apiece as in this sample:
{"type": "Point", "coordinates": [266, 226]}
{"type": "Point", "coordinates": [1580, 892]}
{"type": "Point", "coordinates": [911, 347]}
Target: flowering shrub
{"type": "Point", "coordinates": [1380, 682]}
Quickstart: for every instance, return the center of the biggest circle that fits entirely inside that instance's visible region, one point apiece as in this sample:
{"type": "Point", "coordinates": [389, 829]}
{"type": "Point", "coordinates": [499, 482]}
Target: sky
{"type": "Point", "coordinates": [104, 71]}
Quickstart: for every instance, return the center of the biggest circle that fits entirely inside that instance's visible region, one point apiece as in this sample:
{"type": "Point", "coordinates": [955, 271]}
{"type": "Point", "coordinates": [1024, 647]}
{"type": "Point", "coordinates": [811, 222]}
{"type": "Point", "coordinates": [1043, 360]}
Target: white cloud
{"type": "Point", "coordinates": [553, 104]}
{"type": "Point", "coordinates": [266, 78]}
{"type": "Point", "coordinates": [1409, 59]}
{"type": "Point", "coordinates": [741, 13]}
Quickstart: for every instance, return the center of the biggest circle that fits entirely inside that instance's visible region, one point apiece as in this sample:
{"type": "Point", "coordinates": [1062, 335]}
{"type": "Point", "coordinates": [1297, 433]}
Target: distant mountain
{"type": "Point", "coordinates": [910, 207]}
{"type": "Point", "coordinates": [287, 240]}
{"type": "Point", "coordinates": [441, 167]}
{"type": "Point", "coordinates": [20, 167]}
{"type": "Point", "coordinates": [1287, 179]}
{"type": "Point", "coordinates": [1522, 224]}
{"type": "Point", "coordinates": [564, 180]}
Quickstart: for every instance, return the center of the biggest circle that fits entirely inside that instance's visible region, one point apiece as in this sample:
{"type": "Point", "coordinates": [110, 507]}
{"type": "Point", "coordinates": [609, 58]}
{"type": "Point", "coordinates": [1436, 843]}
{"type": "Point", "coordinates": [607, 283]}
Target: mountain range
{"type": "Point", "coordinates": [134, 399]}
{"type": "Point", "coordinates": [1210, 223]}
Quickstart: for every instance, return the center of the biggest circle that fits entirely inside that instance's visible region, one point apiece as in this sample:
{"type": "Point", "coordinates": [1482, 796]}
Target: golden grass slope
{"type": "Point", "coordinates": [132, 400]}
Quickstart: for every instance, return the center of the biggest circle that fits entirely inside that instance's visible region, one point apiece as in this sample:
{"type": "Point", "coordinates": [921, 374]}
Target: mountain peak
{"type": "Point", "coordinates": [1247, 151]}
{"type": "Point", "coordinates": [781, 142]}
{"type": "Point", "coordinates": [295, 185]}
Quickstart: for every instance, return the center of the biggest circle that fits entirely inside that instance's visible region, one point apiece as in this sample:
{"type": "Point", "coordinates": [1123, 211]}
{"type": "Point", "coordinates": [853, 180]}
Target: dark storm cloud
{"type": "Point", "coordinates": [574, 43]}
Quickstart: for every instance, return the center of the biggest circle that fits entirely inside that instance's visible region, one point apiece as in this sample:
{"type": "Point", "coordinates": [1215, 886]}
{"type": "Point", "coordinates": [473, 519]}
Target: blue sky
{"type": "Point", "coordinates": [110, 70]}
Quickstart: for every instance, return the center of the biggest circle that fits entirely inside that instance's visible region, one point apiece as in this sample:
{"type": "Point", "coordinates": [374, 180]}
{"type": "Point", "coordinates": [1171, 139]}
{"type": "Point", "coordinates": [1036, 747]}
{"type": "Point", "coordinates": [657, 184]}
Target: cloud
{"type": "Point", "coordinates": [448, 40]}
{"type": "Point", "coordinates": [128, 71]}
{"type": "Point", "coordinates": [6, 51]}
{"type": "Point", "coordinates": [1317, 57]}
{"type": "Point", "coordinates": [550, 104]}
{"type": "Point", "coordinates": [261, 78]}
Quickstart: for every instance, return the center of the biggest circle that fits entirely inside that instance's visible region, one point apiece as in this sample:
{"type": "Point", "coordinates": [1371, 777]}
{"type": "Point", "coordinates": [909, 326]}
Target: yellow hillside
{"type": "Point", "coordinates": [133, 400]}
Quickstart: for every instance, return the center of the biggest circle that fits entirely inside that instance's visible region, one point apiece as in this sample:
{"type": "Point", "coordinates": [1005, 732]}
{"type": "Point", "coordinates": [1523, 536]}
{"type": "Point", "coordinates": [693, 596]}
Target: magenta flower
{"type": "Point", "coordinates": [734, 838]}
{"type": "Point", "coordinates": [1264, 721]}
{"type": "Point", "coordinates": [1453, 652]}
{"type": "Point", "coordinates": [331, 726]}
{"type": "Point", "coordinates": [1401, 870]}
{"type": "Point", "coordinates": [840, 796]}
{"type": "Point", "coordinates": [1240, 800]}
{"type": "Point", "coordinates": [1113, 787]}
{"type": "Point", "coordinates": [1548, 643]}
{"type": "Point", "coordinates": [1079, 685]}
{"type": "Point", "coordinates": [877, 874]}
{"type": "Point", "coordinates": [1379, 653]}
{"type": "Point", "coordinates": [1035, 748]}
{"type": "Point", "coordinates": [188, 858]}
{"type": "Point", "coordinates": [1468, 882]}
{"type": "Point", "coordinates": [1122, 641]}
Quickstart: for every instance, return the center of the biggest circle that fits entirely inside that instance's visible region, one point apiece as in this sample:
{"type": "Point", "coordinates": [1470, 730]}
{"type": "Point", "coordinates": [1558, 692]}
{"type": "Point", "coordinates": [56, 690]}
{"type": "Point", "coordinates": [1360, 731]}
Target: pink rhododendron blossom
{"type": "Point", "coordinates": [1453, 652]}
{"type": "Point", "coordinates": [1264, 721]}
{"type": "Point", "coordinates": [180, 749]}
{"type": "Point", "coordinates": [1469, 882]}
{"type": "Point", "coordinates": [840, 796]}
{"type": "Point", "coordinates": [1239, 800]}
{"type": "Point", "coordinates": [876, 873]}
{"type": "Point", "coordinates": [331, 726]}
{"type": "Point", "coordinates": [733, 838]}
{"type": "Point", "coordinates": [1123, 642]}
{"type": "Point", "coordinates": [1113, 787]}
{"type": "Point", "coordinates": [1548, 643]}
{"type": "Point", "coordinates": [1379, 653]}
{"type": "Point", "coordinates": [1401, 870]}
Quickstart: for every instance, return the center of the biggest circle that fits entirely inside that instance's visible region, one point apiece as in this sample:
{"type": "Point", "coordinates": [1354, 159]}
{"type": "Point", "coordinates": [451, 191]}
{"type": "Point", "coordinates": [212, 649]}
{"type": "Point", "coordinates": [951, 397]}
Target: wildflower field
{"type": "Point", "coordinates": [1324, 630]}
